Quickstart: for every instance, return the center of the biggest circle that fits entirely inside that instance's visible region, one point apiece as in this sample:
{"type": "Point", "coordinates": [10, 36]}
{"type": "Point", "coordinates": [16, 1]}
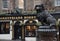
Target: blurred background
{"type": "Point", "coordinates": [8, 6]}
{"type": "Point", "coordinates": [28, 5]}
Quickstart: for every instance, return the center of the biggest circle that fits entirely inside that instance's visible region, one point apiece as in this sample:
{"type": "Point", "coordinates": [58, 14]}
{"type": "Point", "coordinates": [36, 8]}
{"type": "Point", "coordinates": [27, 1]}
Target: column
{"type": "Point", "coordinates": [23, 31]}
{"type": "Point", "coordinates": [11, 30]}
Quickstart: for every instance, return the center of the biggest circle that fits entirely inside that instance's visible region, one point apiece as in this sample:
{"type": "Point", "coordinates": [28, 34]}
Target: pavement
{"type": "Point", "coordinates": [10, 40]}
{"type": "Point", "coordinates": [26, 39]}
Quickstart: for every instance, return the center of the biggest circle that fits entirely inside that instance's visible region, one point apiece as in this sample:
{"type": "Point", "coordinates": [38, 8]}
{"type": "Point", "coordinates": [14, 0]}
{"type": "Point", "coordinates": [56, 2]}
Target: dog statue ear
{"type": "Point", "coordinates": [39, 8]}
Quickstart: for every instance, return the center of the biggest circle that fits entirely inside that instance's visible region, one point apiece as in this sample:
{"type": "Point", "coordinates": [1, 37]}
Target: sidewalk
{"type": "Point", "coordinates": [10, 40]}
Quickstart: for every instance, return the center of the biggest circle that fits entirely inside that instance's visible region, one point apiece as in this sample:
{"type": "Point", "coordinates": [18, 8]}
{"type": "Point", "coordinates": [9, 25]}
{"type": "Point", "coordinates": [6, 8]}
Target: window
{"type": "Point", "coordinates": [57, 2]}
{"type": "Point", "coordinates": [4, 27]}
{"type": "Point", "coordinates": [5, 4]}
{"type": "Point", "coordinates": [30, 31]}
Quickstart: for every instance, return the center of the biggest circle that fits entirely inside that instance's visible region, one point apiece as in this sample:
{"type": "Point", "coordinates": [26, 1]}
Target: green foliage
{"type": "Point", "coordinates": [29, 12]}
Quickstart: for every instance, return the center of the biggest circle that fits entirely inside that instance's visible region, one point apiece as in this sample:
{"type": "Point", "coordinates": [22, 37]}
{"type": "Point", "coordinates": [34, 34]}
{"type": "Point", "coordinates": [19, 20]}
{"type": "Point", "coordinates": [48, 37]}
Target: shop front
{"type": "Point", "coordinates": [5, 29]}
{"type": "Point", "coordinates": [30, 30]}
{"type": "Point", "coordinates": [10, 30]}
{"type": "Point", "coordinates": [15, 27]}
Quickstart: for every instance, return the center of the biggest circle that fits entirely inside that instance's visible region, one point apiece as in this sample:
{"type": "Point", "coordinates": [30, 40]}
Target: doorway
{"type": "Point", "coordinates": [17, 30]}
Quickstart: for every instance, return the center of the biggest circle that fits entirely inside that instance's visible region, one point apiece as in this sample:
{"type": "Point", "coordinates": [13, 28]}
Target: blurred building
{"type": "Point", "coordinates": [6, 5]}
{"type": "Point", "coordinates": [50, 5]}
{"type": "Point", "coordinates": [28, 5]}
{"type": "Point", "coordinates": [9, 5]}
{"type": "Point", "coordinates": [19, 4]}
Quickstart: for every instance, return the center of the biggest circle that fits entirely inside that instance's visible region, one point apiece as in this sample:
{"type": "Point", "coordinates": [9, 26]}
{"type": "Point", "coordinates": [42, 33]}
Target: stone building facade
{"type": "Point", "coordinates": [50, 5]}
{"type": "Point", "coordinates": [6, 5]}
{"type": "Point", "coordinates": [28, 5]}
{"type": "Point", "coordinates": [10, 5]}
